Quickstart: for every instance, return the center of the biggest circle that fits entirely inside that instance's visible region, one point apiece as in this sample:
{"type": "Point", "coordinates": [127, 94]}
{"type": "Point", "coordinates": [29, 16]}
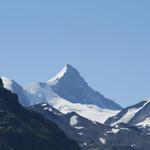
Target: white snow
{"type": "Point", "coordinates": [94, 122]}
{"type": "Point", "coordinates": [133, 145]}
{"type": "Point", "coordinates": [113, 130]}
{"type": "Point", "coordinates": [130, 114]}
{"type": "Point", "coordinates": [7, 83]}
{"type": "Point", "coordinates": [145, 123]}
{"type": "Point", "coordinates": [103, 141]}
{"type": "Point", "coordinates": [85, 144]}
{"type": "Point", "coordinates": [80, 133]}
{"type": "Point", "coordinates": [58, 76]}
{"type": "Point", "coordinates": [90, 112]}
{"type": "Point", "coordinates": [46, 108]}
{"type": "Point", "coordinates": [38, 93]}
{"type": "Point", "coordinates": [127, 117]}
{"type": "Point", "coordinates": [44, 105]}
{"type": "Point", "coordinates": [78, 127]}
{"type": "Point", "coordinates": [73, 120]}
{"type": "Point", "coordinates": [50, 109]}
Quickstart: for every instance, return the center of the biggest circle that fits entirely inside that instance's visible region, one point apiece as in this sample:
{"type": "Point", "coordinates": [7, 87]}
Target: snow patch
{"type": "Point", "coordinates": [44, 105]}
{"type": "Point", "coordinates": [73, 120]}
{"type": "Point", "coordinates": [50, 109]}
{"type": "Point", "coordinates": [46, 108]}
{"type": "Point", "coordinates": [80, 133]}
{"type": "Point", "coordinates": [78, 127]}
{"type": "Point", "coordinates": [91, 112]}
{"type": "Point", "coordinates": [115, 131]}
{"type": "Point", "coordinates": [103, 141]}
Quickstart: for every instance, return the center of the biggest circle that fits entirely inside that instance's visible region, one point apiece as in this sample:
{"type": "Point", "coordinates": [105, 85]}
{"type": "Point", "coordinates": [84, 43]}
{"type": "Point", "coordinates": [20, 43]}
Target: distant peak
{"type": "Point", "coordinates": [67, 65]}
{"type": "Point", "coordinates": [66, 69]}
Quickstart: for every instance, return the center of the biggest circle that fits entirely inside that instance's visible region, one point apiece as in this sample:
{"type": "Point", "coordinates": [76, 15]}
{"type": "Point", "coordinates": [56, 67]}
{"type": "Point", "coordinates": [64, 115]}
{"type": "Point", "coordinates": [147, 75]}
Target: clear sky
{"type": "Point", "coordinates": [107, 41]}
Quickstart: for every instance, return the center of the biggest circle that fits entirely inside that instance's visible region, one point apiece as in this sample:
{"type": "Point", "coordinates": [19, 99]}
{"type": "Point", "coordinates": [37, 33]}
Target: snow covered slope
{"type": "Point", "coordinates": [41, 92]}
{"type": "Point", "coordinates": [91, 112]}
{"type": "Point", "coordinates": [137, 115]}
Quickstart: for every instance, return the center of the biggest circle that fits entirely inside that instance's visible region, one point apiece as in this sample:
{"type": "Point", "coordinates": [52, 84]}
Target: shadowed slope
{"type": "Point", "coordinates": [24, 130]}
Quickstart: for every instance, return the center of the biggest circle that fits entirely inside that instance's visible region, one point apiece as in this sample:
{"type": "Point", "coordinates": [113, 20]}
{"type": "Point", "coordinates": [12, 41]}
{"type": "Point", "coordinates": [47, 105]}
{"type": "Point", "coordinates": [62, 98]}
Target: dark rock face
{"type": "Point", "coordinates": [75, 89]}
{"type": "Point", "coordinates": [1, 83]}
{"type": "Point", "coordinates": [84, 131]}
{"type": "Point", "coordinates": [26, 130]}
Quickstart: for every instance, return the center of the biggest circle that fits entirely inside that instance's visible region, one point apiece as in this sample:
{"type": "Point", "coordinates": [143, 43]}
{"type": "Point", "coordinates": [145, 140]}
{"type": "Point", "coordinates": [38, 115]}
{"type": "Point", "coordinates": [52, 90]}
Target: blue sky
{"type": "Point", "coordinates": [107, 41]}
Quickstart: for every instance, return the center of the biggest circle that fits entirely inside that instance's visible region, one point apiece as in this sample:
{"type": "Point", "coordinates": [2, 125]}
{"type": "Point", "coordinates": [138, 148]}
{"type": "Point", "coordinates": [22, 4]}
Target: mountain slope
{"type": "Point", "coordinates": [92, 135]}
{"type": "Point", "coordinates": [24, 130]}
{"type": "Point", "coordinates": [69, 85]}
{"type": "Point", "coordinates": [136, 115]}
{"type": "Point", "coordinates": [14, 87]}
{"type": "Point", "coordinates": [75, 126]}
{"type": "Point", "coordinates": [43, 93]}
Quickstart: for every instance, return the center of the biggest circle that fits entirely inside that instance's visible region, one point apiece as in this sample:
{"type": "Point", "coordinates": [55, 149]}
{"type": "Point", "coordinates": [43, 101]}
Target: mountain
{"type": "Point", "coordinates": [40, 92]}
{"type": "Point", "coordinates": [69, 85]}
{"type": "Point", "coordinates": [136, 115]}
{"type": "Point", "coordinates": [79, 97]}
{"type": "Point", "coordinates": [68, 92]}
{"type": "Point", "coordinates": [21, 129]}
{"type": "Point", "coordinates": [92, 135]}
{"type": "Point", "coordinates": [15, 88]}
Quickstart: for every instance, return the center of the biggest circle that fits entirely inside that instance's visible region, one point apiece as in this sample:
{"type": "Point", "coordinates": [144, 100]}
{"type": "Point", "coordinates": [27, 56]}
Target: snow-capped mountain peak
{"type": "Point", "coordinates": [70, 85]}
{"type": "Point", "coordinates": [60, 74]}
{"type": "Point", "coordinates": [67, 70]}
